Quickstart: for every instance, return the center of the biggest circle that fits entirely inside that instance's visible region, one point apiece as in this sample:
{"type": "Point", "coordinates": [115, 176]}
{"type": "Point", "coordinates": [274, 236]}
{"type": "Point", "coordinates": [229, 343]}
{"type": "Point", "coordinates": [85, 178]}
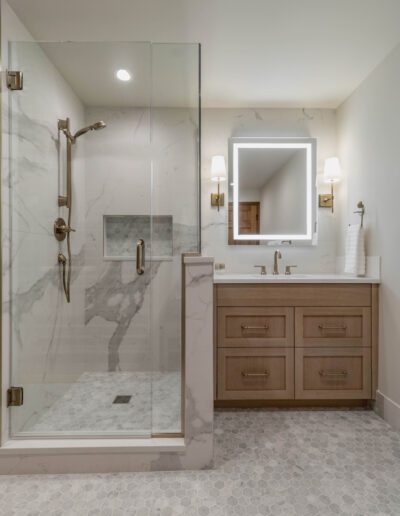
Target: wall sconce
{"type": "Point", "coordinates": [218, 174]}
{"type": "Point", "coordinates": [332, 174]}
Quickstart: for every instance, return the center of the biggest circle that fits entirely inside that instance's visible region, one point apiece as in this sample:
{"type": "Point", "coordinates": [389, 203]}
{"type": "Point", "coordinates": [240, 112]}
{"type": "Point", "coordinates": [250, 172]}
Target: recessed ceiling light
{"type": "Point", "coordinates": [123, 75]}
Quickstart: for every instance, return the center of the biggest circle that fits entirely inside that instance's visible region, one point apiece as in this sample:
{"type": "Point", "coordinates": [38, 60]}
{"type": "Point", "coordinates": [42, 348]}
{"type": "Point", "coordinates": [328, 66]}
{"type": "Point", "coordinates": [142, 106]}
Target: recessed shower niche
{"type": "Point", "coordinates": [121, 233]}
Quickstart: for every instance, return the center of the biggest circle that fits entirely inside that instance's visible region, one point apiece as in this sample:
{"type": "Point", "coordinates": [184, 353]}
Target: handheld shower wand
{"type": "Point", "coordinates": [62, 229]}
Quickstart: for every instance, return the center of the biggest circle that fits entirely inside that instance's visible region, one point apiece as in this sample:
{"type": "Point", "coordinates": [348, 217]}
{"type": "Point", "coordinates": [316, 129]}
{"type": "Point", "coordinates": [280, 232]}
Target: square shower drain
{"type": "Point", "coordinates": [122, 398]}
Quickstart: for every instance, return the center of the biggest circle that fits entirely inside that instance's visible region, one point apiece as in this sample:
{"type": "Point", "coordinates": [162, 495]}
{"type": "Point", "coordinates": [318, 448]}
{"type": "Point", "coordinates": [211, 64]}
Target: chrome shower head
{"type": "Point", "coordinates": [94, 127]}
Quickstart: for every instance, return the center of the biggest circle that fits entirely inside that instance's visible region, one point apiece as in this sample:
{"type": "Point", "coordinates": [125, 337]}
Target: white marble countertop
{"type": "Point", "coordinates": [292, 278]}
{"type": "Point", "coordinates": [193, 259]}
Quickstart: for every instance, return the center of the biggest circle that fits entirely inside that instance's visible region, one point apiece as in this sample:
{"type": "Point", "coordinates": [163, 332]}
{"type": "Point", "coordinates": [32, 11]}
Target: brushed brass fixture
{"type": "Point", "coordinates": [328, 373]}
{"type": "Point", "coordinates": [288, 269]}
{"type": "Point", "coordinates": [263, 270]}
{"type": "Point", "coordinates": [140, 257]}
{"type": "Point", "coordinates": [265, 373]}
{"type": "Point", "coordinates": [218, 174]}
{"type": "Point", "coordinates": [61, 228]}
{"type": "Point", "coordinates": [277, 255]}
{"type": "Point", "coordinates": [15, 80]}
{"type": "Point", "coordinates": [217, 199]}
{"type": "Point", "coordinates": [263, 327]}
{"type": "Point", "coordinates": [325, 327]}
{"type": "Point", "coordinates": [15, 397]}
{"type": "Point", "coordinates": [61, 258]}
{"type": "Point", "coordinates": [332, 174]}
{"type": "Point", "coordinates": [326, 200]}
{"type": "Point", "coordinates": [63, 262]}
{"type": "Point", "coordinates": [360, 211]}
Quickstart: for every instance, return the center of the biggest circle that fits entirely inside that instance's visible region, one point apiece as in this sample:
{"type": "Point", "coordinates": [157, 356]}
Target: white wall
{"type": "Point", "coordinates": [220, 124]}
{"type": "Point", "coordinates": [369, 143]}
{"type": "Point", "coordinates": [283, 207]}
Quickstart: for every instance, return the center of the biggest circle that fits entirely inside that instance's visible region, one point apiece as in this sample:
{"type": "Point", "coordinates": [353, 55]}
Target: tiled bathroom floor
{"type": "Point", "coordinates": [301, 463]}
{"type": "Point", "coordinates": [88, 405]}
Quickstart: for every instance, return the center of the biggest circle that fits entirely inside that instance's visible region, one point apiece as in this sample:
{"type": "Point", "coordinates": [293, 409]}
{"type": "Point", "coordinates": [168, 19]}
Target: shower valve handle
{"type": "Point", "coordinates": [67, 229]}
{"type": "Point", "coordinates": [61, 229]}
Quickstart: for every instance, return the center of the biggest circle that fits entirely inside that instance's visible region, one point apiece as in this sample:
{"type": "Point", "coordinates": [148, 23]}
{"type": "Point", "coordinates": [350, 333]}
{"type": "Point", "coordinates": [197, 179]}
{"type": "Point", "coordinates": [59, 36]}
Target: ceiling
{"type": "Point", "coordinates": [158, 72]}
{"type": "Point", "coordinates": [255, 53]}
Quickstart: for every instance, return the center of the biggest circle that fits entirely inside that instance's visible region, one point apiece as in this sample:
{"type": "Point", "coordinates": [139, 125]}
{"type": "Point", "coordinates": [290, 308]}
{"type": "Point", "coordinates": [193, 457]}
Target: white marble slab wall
{"type": "Point", "coordinates": [199, 394]}
{"type": "Point", "coordinates": [196, 452]}
{"type": "Point", "coordinates": [220, 124]}
{"type": "Point", "coordinates": [128, 177]}
{"type": "Point", "coordinates": [42, 327]}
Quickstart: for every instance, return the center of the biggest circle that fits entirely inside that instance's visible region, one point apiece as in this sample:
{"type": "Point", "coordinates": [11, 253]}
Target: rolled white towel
{"type": "Point", "coordinates": [355, 251]}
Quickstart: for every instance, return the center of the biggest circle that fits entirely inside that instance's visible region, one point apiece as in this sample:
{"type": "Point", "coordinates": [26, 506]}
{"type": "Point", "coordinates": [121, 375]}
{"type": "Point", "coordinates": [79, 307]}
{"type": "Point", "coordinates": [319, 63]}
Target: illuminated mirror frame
{"type": "Point", "coordinates": [309, 144]}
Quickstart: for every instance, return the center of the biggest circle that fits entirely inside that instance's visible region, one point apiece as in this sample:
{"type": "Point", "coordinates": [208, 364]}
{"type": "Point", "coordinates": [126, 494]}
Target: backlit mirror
{"type": "Point", "coordinates": [272, 190]}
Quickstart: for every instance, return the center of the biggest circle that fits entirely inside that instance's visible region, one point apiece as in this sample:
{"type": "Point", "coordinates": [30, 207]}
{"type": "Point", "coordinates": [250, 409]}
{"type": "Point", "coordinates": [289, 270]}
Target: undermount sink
{"type": "Point", "coordinates": [291, 278]}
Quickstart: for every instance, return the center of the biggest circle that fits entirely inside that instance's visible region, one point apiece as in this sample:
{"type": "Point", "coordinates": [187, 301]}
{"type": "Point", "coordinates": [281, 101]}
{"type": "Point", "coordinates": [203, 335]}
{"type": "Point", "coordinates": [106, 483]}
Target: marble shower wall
{"type": "Point", "coordinates": [109, 325]}
{"type": "Point", "coordinates": [139, 165]}
{"type": "Point", "coordinates": [220, 124]}
{"type": "Point", "coordinates": [121, 185]}
{"type": "Point", "coordinates": [44, 329]}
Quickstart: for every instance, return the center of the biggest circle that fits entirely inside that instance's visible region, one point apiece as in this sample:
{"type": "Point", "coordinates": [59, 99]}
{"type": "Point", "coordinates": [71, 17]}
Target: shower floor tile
{"type": "Point", "coordinates": [89, 405]}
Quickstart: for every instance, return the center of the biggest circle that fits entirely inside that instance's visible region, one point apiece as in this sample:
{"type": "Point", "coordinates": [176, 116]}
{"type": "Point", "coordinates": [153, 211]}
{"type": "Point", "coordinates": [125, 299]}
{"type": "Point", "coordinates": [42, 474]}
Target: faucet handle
{"type": "Point", "coordinates": [263, 269]}
{"type": "Point", "coordinates": [288, 269]}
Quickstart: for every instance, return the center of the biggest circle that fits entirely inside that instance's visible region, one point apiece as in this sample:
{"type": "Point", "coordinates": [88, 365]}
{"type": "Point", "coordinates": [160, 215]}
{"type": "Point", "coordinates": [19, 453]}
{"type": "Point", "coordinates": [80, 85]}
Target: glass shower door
{"type": "Point", "coordinates": [175, 136]}
{"type": "Point", "coordinates": [80, 238]}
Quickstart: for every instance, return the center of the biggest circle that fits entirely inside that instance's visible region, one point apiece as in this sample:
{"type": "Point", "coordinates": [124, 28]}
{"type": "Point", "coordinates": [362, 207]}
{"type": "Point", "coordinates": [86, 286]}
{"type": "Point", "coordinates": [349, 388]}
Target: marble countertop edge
{"type": "Point", "coordinates": [306, 278]}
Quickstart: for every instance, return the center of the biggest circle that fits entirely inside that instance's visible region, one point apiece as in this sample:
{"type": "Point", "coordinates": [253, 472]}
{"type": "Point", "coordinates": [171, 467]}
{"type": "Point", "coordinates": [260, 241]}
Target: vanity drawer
{"type": "Point", "coordinates": [345, 326]}
{"type": "Point", "coordinates": [323, 373]}
{"type": "Point", "coordinates": [255, 374]}
{"type": "Point", "coordinates": [302, 294]}
{"type": "Point", "coordinates": [255, 327]}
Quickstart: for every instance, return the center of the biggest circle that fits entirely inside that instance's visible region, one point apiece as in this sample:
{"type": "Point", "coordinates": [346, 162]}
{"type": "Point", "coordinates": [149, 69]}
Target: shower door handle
{"type": "Point", "coordinates": [140, 257]}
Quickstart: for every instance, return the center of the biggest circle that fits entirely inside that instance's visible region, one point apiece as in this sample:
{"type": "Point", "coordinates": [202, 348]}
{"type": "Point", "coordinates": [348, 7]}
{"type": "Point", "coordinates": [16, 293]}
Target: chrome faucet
{"type": "Point", "coordinates": [277, 255]}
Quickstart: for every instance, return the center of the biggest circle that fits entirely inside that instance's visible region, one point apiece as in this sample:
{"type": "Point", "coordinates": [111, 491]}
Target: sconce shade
{"type": "Point", "coordinates": [218, 169]}
{"type": "Point", "coordinates": [332, 170]}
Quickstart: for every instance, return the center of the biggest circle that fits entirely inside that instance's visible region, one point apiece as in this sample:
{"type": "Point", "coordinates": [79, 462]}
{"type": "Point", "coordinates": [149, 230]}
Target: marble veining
{"type": "Point", "coordinates": [128, 300]}
{"type": "Point", "coordinates": [87, 406]}
{"type": "Point", "coordinates": [267, 463]}
{"type": "Point", "coordinates": [107, 325]}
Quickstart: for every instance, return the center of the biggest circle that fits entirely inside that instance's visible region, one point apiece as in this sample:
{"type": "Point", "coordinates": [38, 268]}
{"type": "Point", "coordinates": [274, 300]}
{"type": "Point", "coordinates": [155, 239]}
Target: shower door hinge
{"type": "Point", "coordinates": [15, 397]}
{"type": "Point", "coordinates": [15, 80]}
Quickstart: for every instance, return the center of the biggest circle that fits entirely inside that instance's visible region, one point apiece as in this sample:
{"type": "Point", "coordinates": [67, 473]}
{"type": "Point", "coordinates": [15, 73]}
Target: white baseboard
{"type": "Point", "coordinates": [388, 409]}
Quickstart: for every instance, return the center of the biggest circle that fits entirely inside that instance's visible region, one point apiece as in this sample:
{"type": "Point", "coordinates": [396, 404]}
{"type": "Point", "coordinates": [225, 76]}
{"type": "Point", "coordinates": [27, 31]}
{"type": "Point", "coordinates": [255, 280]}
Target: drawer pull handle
{"type": "Point", "coordinates": [332, 373]}
{"type": "Point", "coordinates": [245, 375]}
{"type": "Point", "coordinates": [246, 327]}
{"type": "Point", "coordinates": [325, 327]}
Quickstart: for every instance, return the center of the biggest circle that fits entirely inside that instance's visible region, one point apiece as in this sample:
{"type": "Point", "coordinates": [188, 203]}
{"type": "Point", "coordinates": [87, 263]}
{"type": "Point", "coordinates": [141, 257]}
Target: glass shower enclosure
{"type": "Point", "coordinates": [103, 193]}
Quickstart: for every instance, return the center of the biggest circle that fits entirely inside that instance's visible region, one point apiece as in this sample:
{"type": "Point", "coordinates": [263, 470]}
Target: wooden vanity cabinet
{"type": "Point", "coordinates": [295, 341]}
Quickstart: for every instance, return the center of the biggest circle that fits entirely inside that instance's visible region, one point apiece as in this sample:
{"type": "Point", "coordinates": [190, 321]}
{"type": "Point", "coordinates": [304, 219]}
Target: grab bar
{"type": "Point", "coordinates": [140, 256]}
